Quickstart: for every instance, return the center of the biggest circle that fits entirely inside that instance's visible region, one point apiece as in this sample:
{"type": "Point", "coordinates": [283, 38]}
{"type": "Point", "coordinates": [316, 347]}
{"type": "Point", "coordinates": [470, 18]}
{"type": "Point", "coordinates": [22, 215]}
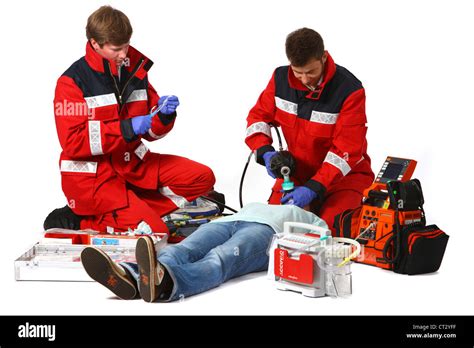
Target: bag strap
{"type": "Point", "coordinates": [413, 196]}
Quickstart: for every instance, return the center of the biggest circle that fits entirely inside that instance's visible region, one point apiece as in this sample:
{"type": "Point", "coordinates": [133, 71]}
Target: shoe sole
{"type": "Point", "coordinates": [100, 267]}
{"type": "Point", "coordinates": [146, 260]}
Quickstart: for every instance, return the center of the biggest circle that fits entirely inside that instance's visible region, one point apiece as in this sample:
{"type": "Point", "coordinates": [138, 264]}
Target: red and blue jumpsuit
{"type": "Point", "coordinates": [109, 176]}
{"type": "Point", "coordinates": [325, 130]}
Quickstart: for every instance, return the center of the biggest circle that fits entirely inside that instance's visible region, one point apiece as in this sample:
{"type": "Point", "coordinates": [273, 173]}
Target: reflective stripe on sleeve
{"type": "Point", "coordinates": [154, 136]}
{"type": "Point", "coordinates": [95, 140]}
{"type": "Point", "coordinates": [258, 127]}
{"type": "Point", "coordinates": [337, 162]}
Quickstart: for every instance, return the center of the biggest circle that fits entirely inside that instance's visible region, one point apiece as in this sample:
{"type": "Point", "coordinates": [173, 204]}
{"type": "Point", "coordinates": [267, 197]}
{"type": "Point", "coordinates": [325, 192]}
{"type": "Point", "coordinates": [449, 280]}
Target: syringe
{"type": "Point", "coordinates": [158, 109]}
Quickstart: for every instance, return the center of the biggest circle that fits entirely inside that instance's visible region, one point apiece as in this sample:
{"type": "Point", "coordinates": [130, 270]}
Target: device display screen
{"type": "Point", "coordinates": [393, 171]}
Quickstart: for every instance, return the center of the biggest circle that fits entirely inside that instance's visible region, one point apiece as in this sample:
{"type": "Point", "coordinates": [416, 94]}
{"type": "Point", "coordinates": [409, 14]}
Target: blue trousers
{"type": "Point", "coordinates": [213, 254]}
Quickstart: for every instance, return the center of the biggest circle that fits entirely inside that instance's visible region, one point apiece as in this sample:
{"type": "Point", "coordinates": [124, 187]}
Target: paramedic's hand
{"type": "Point", "coordinates": [267, 157]}
{"type": "Point", "coordinates": [141, 124]}
{"type": "Point", "coordinates": [168, 104]}
{"type": "Point", "coordinates": [301, 196]}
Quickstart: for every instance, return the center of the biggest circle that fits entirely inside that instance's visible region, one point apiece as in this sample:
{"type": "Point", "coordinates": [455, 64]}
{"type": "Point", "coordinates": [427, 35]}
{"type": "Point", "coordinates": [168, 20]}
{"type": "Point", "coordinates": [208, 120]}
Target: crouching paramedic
{"type": "Point", "coordinates": [104, 107]}
{"type": "Point", "coordinates": [320, 107]}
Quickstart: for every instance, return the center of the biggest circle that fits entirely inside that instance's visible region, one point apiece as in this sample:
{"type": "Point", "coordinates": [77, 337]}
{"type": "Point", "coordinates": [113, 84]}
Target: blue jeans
{"type": "Point", "coordinates": [213, 254]}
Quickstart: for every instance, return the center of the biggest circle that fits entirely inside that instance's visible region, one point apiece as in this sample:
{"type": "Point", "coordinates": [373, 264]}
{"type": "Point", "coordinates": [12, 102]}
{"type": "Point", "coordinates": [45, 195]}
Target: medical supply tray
{"type": "Point", "coordinates": [57, 260]}
{"type": "Point", "coordinates": [62, 262]}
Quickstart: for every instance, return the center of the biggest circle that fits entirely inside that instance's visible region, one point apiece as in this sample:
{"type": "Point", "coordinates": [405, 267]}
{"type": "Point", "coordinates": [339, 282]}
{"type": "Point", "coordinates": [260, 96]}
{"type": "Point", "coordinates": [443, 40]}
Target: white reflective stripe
{"type": "Point", "coordinates": [101, 100]}
{"type": "Point", "coordinates": [286, 106]}
{"type": "Point", "coordinates": [361, 159]}
{"type": "Point", "coordinates": [323, 117]}
{"type": "Point", "coordinates": [259, 127]}
{"type": "Point", "coordinates": [95, 140]}
{"type": "Point", "coordinates": [78, 166]}
{"type": "Point", "coordinates": [338, 162]}
{"type": "Point", "coordinates": [178, 200]}
{"type": "Point", "coordinates": [154, 136]}
{"type": "Point", "coordinates": [141, 150]}
{"type": "Point", "coordinates": [137, 95]}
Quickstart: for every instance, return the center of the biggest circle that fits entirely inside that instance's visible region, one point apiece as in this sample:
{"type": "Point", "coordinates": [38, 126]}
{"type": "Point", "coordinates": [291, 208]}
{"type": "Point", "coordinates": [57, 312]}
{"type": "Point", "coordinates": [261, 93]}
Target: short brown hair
{"type": "Point", "coordinates": [108, 25]}
{"type": "Point", "coordinates": [302, 45]}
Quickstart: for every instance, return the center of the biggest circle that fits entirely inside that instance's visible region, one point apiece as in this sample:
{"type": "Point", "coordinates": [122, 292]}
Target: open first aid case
{"type": "Point", "coordinates": [57, 256]}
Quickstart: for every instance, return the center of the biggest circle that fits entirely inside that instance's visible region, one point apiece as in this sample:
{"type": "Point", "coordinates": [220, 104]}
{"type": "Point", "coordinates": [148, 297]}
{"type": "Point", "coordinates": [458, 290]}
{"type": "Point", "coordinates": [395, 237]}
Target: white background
{"type": "Point", "coordinates": [413, 57]}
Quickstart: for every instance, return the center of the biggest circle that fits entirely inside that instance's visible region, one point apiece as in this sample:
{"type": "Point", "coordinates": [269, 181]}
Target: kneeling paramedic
{"type": "Point", "coordinates": [104, 107]}
{"type": "Point", "coordinates": [223, 249]}
{"type": "Point", "coordinates": [320, 107]}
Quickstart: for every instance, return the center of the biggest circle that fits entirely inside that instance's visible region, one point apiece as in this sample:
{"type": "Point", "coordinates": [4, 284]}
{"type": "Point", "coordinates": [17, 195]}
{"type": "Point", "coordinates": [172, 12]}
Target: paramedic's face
{"type": "Point", "coordinates": [310, 73]}
{"type": "Point", "coordinates": [111, 52]}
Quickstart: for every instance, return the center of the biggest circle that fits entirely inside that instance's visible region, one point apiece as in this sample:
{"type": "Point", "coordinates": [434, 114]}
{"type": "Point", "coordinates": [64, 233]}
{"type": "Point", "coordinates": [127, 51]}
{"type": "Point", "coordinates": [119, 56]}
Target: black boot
{"type": "Point", "coordinates": [62, 218]}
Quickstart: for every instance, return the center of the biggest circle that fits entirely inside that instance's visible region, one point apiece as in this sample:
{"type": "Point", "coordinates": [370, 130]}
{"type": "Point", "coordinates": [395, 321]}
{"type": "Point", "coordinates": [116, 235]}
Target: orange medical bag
{"type": "Point", "coordinates": [391, 225]}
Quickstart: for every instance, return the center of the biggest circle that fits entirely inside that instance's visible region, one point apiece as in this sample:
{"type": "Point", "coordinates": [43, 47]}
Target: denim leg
{"type": "Point", "coordinates": [191, 249]}
{"type": "Point", "coordinates": [244, 252]}
{"type": "Point", "coordinates": [197, 245]}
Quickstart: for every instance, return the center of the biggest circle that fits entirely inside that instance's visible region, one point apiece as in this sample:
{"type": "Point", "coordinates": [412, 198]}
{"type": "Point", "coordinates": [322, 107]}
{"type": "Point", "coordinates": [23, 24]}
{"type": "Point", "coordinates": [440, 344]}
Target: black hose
{"type": "Point", "coordinates": [219, 203]}
{"type": "Point", "coordinates": [397, 235]}
{"type": "Point", "coordinates": [396, 239]}
{"type": "Point", "coordinates": [280, 144]}
{"type": "Point", "coordinates": [243, 177]}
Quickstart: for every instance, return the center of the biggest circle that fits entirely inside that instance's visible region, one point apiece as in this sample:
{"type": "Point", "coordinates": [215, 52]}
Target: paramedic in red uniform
{"type": "Point", "coordinates": [320, 107]}
{"type": "Point", "coordinates": [103, 106]}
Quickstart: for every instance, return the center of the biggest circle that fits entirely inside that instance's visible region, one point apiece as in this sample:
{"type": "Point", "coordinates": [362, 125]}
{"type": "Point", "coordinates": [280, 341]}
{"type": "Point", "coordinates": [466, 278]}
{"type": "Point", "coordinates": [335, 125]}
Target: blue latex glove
{"type": "Point", "coordinates": [267, 157]}
{"type": "Point", "coordinates": [300, 196]}
{"type": "Point", "coordinates": [141, 124]}
{"type": "Point", "coordinates": [167, 104]}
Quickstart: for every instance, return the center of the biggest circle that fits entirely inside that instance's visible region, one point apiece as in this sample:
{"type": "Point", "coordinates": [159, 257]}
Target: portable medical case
{"type": "Point", "coordinates": [57, 256]}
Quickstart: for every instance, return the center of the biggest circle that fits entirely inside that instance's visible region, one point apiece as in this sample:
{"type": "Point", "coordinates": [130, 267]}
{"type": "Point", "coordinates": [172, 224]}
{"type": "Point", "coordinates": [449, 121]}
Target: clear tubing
{"type": "Point", "coordinates": [336, 268]}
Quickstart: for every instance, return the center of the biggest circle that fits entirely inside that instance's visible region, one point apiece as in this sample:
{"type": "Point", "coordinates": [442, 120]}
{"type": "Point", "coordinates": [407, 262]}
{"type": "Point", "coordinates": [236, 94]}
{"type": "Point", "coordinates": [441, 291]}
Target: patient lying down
{"type": "Point", "coordinates": [223, 249]}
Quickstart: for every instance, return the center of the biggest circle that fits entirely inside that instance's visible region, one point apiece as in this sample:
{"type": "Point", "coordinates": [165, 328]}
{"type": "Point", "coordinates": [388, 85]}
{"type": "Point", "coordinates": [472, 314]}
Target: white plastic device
{"type": "Point", "coordinates": [329, 265]}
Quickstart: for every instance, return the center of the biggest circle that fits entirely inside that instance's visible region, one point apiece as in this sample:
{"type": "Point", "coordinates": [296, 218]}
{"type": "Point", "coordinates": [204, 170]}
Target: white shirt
{"type": "Point", "coordinates": [273, 215]}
